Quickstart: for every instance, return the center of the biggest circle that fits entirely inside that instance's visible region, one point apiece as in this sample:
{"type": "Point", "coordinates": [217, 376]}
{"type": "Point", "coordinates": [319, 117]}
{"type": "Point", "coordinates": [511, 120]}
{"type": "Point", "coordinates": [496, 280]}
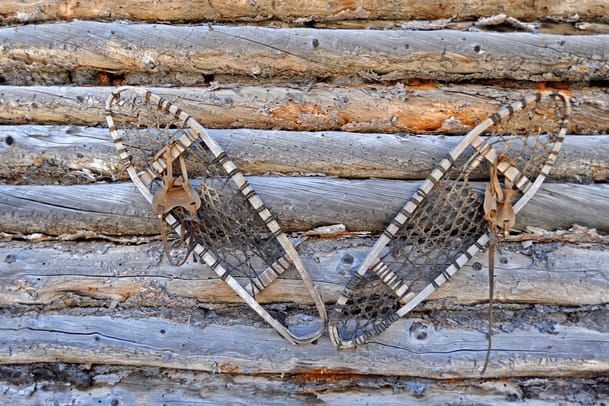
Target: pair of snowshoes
{"type": "Point", "coordinates": [207, 209]}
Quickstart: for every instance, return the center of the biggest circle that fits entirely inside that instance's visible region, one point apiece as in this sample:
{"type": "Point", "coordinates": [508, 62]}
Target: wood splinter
{"type": "Point", "coordinates": [505, 19]}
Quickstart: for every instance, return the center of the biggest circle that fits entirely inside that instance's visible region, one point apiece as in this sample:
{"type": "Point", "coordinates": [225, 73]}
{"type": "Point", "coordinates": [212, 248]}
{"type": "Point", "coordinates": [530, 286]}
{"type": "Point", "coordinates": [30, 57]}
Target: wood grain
{"type": "Point", "coordinates": [28, 11]}
{"type": "Point", "coordinates": [451, 109]}
{"type": "Point", "coordinates": [101, 384]}
{"type": "Point", "coordinates": [239, 349]}
{"type": "Point", "coordinates": [444, 55]}
{"type": "Point", "coordinates": [71, 154]}
{"type": "Point", "coordinates": [152, 386]}
{"type": "Point", "coordinates": [56, 273]}
{"type": "Point", "coordinates": [300, 203]}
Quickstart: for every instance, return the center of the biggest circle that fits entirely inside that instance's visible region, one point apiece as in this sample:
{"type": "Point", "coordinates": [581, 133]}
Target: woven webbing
{"type": "Point", "coordinates": [207, 207]}
{"type": "Point", "coordinates": [443, 224]}
{"type": "Point", "coordinates": [226, 224]}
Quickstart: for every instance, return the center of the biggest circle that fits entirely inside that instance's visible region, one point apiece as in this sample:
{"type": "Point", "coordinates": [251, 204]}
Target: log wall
{"type": "Point", "coordinates": [335, 111]}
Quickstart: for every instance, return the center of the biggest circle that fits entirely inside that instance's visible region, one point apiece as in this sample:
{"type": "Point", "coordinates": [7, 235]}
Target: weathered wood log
{"type": "Point", "coordinates": [28, 11]}
{"type": "Point", "coordinates": [70, 154]}
{"type": "Point", "coordinates": [443, 55]}
{"type": "Point", "coordinates": [98, 384]}
{"type": "Point", "coordinates": [449, 352]}
{"type": "Point", "coordinates": [412, 109]}
{"type": "Point", "coordinates": [300, 203]}
{"type": "Point", "coordinates": [48, 273]}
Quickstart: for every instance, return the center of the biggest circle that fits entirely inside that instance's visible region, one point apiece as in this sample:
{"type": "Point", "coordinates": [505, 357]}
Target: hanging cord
{"type": "Point", "coordinates": [499, 213]}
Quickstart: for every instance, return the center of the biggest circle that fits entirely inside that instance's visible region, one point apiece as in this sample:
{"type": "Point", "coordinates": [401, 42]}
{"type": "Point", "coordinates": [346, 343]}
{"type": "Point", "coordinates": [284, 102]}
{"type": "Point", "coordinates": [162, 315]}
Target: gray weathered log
{"type": "Point", "coordinates": [70, 154]}
{"type": "Point", "coordinates": [411, 109]}
{"type": "Point", "coordinates": [45, 273]}
{"type": "Point", "coordinates": [28, 11]}
{"type": "Point", "coordinates": [446, 55]}
{"type": "Point", "coordinates": [99, 384]}
{"type": "Point", "coordinates": [401, 351]}
{"type": "Point", "coordinates": [300, 203]}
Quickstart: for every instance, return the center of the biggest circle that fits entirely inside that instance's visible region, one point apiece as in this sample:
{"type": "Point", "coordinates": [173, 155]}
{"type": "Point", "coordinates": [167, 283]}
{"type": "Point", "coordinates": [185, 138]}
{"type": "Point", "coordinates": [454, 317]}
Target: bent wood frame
{"type": "Point", "coordinates": [373, 263]}
{"type": "Point", "coordinates": [196, 132]}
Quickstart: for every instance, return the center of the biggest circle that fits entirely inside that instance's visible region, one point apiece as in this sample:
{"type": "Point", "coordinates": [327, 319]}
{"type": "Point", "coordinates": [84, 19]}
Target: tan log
{"type": "Point", "coordinates": [27, 11]}
{"type": "Point", "coordinates": [409, 109]}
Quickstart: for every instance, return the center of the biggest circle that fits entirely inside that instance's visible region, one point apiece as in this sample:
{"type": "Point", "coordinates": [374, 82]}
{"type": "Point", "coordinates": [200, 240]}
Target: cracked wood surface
{"type": "Point", "coordinates": [69, 154]}
{"type": "Point", "coordinates": [118, 48]}
{"type": "Point", "coordinates": [447, 109]}
{"type": "Point", "coordinates": [441, 353]}
{"type": "Point", "coordinates": [52, 273]}
{"type": "Point", "coordinates": [361, 205]}
{"type": "Point", "coordinates": [150, 386]}
{"type": "Point", "coordinates": [28, 11]}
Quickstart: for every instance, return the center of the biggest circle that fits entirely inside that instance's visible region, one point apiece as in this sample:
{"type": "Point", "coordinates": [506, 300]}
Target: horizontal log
{"type": "Point", "coordinates": [412, 109]}
{"type": "Point", "coordinates": [240, 349]}
{"type": "Point", "coordinates": [28, 11]}
{"type": "Point", "coordinates": [60, 273]}
{"type": "Point", "coordinates": [300, 203]}
{"type": "Point", "coordinates": [101, 384]}
{"type": "Point", "coordinates": [70, 154]}
{"type": "Point", "coordinates": [446, 55]}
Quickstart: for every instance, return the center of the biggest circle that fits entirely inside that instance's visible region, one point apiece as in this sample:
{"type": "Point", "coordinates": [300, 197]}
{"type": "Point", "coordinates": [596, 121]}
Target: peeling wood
{"type": "Point", "coordinates": [29, 11]}
{"type": "Point", "coordinates": [71, 154]}
{"type": "Point", "coordinates": [443, 55]}
{"type": "Point", "coordinates": [57, 273]}
{"type": "Point", "coordinates": [575, 235]}
{"type": "Point", "coordinates": [442, 353]}
{"type": "Point", "coordinates": [361, 205]}
{"type": "Point", "coordinates": [411, 109]}
{"type": "Point", "coordinates": [541, 26]}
